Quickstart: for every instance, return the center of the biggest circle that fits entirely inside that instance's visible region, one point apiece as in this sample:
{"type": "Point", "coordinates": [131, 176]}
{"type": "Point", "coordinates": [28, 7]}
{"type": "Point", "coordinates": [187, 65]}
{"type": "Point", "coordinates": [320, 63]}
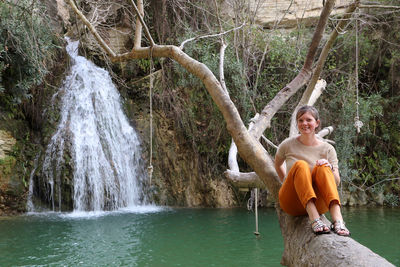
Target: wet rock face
{"type": "Point", "coordinates": [11, 187]}
{"type": "Point", "coordinates": [58, 13]}
{"type": "Point", "coordinates": [288, 12]}
{"type": "Point", "coordinates": [7, 141]}
{"type": "Point", "coordinates": [179, 177]}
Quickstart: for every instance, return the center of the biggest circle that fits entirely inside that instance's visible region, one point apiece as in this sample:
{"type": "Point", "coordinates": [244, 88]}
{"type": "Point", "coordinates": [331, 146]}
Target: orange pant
{"type": "Point", "coordinates": [301, 185]}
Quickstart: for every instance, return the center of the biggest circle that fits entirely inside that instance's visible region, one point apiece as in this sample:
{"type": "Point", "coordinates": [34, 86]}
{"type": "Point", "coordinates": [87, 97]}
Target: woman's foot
{"type": "Point", "coordinates": [339, 228]}
{"type": "Point", "coordinates": [319, 227]}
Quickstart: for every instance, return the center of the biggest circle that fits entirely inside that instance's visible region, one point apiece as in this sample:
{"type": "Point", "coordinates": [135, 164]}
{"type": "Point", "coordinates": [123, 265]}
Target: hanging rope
{"type": "Point", "coordinates": [357, 123]}
{"type": "Point", "coordinates": [253, 200]}
{"type": "Point", "coordinates": [256, 211]}
{"type": "Point", "coordinates": [150, 168]}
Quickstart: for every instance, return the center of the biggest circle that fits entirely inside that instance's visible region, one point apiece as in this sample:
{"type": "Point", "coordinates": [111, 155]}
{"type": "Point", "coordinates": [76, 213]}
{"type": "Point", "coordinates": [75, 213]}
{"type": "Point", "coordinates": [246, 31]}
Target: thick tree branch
{"type": "Point", "coordinates": [139, 27]}
{"type": "Point", "coordinates": [325, 51]}
{"type": "Point", "coordinates": [324, 250]}
{"type": "Point", "coordinates": [140, 17]}
{"type": "Point", "coordinates": [300, 80]}
{"type": "Point", "coordinates": [244, 179]}
{"type": "Point", "coordinates": [312, 88]}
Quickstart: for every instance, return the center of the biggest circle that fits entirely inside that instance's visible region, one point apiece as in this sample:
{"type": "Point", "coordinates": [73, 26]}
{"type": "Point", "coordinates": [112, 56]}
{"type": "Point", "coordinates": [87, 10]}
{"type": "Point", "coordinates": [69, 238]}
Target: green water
{"type": "Point", "coordinates": [171, 237]}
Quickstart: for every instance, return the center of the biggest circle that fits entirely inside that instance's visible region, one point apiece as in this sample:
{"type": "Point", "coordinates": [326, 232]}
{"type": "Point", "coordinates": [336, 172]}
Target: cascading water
{"type": "Point", "coordinates": [104, 148]}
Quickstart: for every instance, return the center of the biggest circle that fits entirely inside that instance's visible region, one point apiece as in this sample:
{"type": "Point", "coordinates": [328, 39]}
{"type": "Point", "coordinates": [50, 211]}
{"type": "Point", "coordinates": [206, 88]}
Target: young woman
{"type": "Point", "coordinates": [311, 176]}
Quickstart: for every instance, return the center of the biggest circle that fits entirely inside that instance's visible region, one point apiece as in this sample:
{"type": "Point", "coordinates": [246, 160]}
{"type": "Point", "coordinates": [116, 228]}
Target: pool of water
{"type": "Point", "coordinates": [151, 236]}
{"type": "Point", "coordinates": [377, 229]}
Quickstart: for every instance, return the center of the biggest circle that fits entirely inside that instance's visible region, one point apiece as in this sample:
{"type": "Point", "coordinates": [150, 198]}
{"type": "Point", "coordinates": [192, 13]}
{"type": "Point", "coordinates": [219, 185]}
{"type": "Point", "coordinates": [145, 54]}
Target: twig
{"type": "Point", "coordinates": [385, 180]}
{"type": "Point", "coordinates": [209, 36]}
{"type": "Point", "coordinates": [379, 6]}
{"type": "Point", "coordinates": [369, 187]}
{"type": "Point", "coordinates": [222, 53]}
{"type": "Point", "coordinates": [269, 142]}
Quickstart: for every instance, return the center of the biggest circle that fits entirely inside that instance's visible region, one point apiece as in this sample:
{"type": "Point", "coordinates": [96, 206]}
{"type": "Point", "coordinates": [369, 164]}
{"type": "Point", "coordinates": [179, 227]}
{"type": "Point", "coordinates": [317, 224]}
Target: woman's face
{"type": "Point", "coordinates": [307, 123]}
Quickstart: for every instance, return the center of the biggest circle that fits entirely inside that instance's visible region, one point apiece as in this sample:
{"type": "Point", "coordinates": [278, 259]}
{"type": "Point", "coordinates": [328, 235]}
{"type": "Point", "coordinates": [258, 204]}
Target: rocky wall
{"type": "Point", "coordinates": [289, 13]}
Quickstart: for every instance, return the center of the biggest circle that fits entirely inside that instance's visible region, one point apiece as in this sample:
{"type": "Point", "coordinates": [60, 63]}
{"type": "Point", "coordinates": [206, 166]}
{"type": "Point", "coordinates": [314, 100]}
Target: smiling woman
{"type": "Point", "coordinates": [307, 122]}
{"type": "Point", "coordinates": [311, 176]}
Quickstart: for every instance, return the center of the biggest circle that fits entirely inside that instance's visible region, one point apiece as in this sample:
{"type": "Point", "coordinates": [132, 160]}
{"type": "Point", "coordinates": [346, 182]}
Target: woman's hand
{"type": "Point", "coordinates": [322, 162]}
{"type": "Point", "coordinates": [335, 171]}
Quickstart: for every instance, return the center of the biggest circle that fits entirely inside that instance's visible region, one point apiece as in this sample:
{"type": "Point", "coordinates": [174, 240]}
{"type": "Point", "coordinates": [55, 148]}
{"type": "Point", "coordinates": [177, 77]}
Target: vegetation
{"type": "Point", "coordinates": [27, 46]}
{"type": "Point", "coordinates": [28, 50]}
{"type": "Point", "coordinates": [369, 159]}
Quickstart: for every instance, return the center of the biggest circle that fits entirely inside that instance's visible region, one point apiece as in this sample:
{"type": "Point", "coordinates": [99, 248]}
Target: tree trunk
{"type": "Point", "coordinates": [304, 248]}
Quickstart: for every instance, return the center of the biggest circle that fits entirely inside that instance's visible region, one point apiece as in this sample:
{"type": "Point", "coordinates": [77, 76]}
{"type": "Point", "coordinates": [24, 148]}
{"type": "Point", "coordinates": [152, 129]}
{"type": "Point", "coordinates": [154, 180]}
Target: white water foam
{"type": "Point", "coordinates": [95, 214]}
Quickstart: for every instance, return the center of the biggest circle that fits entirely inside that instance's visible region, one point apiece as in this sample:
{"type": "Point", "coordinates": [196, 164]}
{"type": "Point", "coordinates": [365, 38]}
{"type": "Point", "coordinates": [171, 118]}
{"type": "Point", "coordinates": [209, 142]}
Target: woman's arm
{"type": "Point", "coordinates": [336, 175]}
{"type": "Point", "coordinates": [335, 171]}
{"type": "Point", "coordinates": [280, 169]}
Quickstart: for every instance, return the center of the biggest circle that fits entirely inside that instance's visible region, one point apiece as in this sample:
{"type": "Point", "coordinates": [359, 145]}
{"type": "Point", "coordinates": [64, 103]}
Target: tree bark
{"type": "Point", "coordinates": [138, 28]}
{"type": "Point", "coordinates": [302, 247]}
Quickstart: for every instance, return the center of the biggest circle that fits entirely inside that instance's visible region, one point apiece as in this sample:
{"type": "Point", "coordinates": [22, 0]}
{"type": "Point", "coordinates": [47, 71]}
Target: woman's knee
{"type": "Point", "coordinates": [322, 170]}
{"type": "Point", "coordinates": [301, 163]}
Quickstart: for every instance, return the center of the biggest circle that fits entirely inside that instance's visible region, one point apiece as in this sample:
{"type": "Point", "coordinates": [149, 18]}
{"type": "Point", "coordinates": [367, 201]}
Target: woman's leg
{"type": "Point", "coordinates": [336, 215]}
{"type": "Point", "coordinates": [314, 216]}
{"type": "Point", "coordinates": [325, 188]}
{"type": "Point", "coordinates": [297, 189]}
{"type": "Point", "coordinates": [297, 196]}
{"type": "Point", "coordinates": [327, 194]}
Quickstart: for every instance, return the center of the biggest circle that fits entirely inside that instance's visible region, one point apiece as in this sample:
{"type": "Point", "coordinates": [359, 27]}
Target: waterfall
{"type": "Point", "coordinates": [29, 202]}
{"type": "Point", "coordinates": [94, 132]}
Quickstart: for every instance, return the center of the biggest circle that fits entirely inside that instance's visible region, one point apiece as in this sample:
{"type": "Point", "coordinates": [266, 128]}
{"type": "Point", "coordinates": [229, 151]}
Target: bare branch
{"type": "Point", "coordinates": [315, 87]}
{"type": "Point", "coordinates": [379, 6]}
{"type": "Point", "coordinates": [269, 142]}
{"type": "Point", "coordinates": [244, 180]}
{"type": "Point", "coordinates": [146, 30]}
{"type": "Point", "coordinates": [221, 66]}
{"type": "Point", "coordinates": [324, 53]}
{"type": "Point", "coordinates": [138, 28]}
{"type": "Point", "coordinates": [232, 160]}
{"type": "Point", "coordinates": [209, 36]}
{"type": "Point", "coordinates": [221, 53]}
{"type": "Point", "coordinates": [300, 80]}
{"type": "Point", "coordinates": [92, 29]}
